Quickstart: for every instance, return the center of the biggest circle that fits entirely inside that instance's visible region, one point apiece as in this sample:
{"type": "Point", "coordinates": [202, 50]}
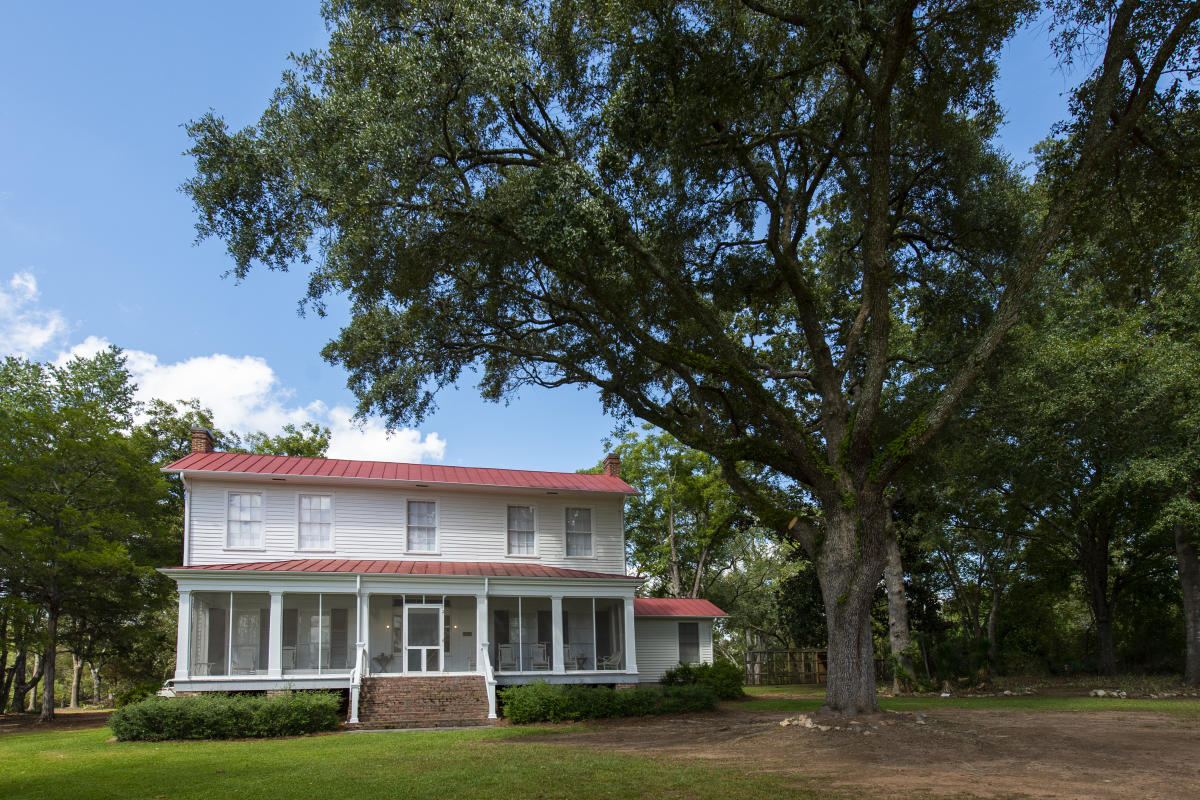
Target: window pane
{"type": "Point", "coordinates": [422, 526]}
{"type": "Point", "coordinates": [245, 519]}
{"type": "Point", "coordinates": [422, 513]}
{"type": "Point", "coordinates": [423, 627]}
{"type": "Point", "coordinates": [579, 531]}
{"type": "Point", "coordinates": [316, 522]}
{"type": "Point", "coordinates": [689, 642]}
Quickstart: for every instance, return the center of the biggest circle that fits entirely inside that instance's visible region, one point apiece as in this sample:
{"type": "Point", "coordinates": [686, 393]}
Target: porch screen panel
{"type": "Point", "coordinates": [610, 633]}
{"type": "Point", "coordinates": [579, 650]}
{"type": "Point", "coordinates": [338, 626]}
{"type": "Point", "coordinates": [250, 635]}
{"type": "Point", "coordinates": [537, 651]}
{"type": "Point", "coordinates": [386, 632]}
{"type": "Point", "coordinates": [505, 633]}
{"type": "Point", "coordinates": [301, 633]}
{"type": "Point", "coordinates": [209, 634]}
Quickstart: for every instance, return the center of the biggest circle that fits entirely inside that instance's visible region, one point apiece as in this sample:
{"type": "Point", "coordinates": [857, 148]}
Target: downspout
{"type": "Point", "coordinates": [187, 521]}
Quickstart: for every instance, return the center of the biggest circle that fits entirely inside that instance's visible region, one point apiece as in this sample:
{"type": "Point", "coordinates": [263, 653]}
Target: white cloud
{"type": "Point", "coordinates": [26, 329]}
{"type": "Point", "coordinates": [243, 392]}
{"type": "Point", "coordinates": [245, 395]}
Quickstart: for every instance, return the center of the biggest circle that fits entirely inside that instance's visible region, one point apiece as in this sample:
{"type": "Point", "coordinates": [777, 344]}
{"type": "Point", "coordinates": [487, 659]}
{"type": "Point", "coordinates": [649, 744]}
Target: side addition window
{"type": "Point", "coordinates": [520, 531]}
{"type": "Point", "coordinates": [316, 522]}
{"type": "Point", "coordinates": [244, 520]}
{"type": "Point", "coordinates": [579, 531]}
{"type": "Point", "coordinates": [689, 642]}
{"type": "Point", "coordinates": [422, 526]}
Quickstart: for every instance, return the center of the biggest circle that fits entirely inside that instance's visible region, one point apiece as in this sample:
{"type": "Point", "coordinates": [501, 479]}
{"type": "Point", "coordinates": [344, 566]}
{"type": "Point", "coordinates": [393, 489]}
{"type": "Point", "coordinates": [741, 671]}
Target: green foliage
{"type": "Point", "coordinates": [221, 716]}
{"type": "Point", "coordinates": [135, 694]}
{"type": "Point", "coordinates": [546, 702]}
{"type": "Point", "coordinates": [723, 677]}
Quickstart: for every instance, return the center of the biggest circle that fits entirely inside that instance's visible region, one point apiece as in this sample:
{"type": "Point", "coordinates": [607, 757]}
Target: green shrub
{"type": "Point", "coordinates": [222, 716]}
{"type": "Point", "coordinates": [544, 702]}
{"type": "Point", "coordinates": [139, 691]}
{"type": "Point", "coordinates": [723, 677]}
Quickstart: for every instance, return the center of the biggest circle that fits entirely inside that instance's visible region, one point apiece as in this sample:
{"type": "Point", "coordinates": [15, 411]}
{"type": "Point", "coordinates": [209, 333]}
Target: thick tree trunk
{"type": "Point", "coordinates": [48, 665]}
{"type": "Point", "coordinates": [1094, 555]}
{"type": "Point", "coordinates": [16, 680]}
{"type": "Point", "coordinates": [993, 623]}
{"type": "Point", "coordinates": [1189, 580]}
{"type": "Point", "coordinates": [849, 565]}
{"type": "Point", "coordinates": [676, 578]}
{"type": "Point", "coordinates": [898, 633]}
{"type": "Point", "coordinates": [34, 681]}
{"type": "Point", "coordinates": [95, 670]}
{"type": "Point", "coordinates": [76, 679]}
{"type": "Point", "coordinates": [4, 679]}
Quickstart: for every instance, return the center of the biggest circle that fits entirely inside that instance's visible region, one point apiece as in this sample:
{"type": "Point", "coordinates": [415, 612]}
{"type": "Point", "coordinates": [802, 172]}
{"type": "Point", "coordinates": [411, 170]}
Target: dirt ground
{"type": "Point", "coordinates": [64, 720]}
{"type": "Point", "coordinates": [953, 752]}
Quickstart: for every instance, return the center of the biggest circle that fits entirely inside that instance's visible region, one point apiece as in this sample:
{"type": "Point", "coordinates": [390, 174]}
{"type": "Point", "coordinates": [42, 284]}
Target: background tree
{"type": "Point", "coordinates": [734, 220]}
{"type": "Point", "coordinates": [81, 508]}
{"type": "Point", "coordinates": [682, 530]}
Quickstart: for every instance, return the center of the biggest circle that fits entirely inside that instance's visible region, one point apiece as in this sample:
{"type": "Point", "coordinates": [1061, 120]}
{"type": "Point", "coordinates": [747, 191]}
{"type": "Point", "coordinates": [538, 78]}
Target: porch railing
{"type": "Point", "coordinates": [489, 678]}
{"type": "Point", "coordinates": [356, 676]}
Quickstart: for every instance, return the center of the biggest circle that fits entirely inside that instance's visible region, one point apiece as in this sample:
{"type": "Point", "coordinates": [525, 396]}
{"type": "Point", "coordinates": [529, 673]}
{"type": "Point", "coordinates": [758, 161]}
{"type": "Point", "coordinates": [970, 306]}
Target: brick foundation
{"type": "Point", "coordinates": [441, 701]}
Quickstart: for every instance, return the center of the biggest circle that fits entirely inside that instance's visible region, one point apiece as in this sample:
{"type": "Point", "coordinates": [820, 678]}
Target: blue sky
{"type": "Point", "coordinates": [96, 242]}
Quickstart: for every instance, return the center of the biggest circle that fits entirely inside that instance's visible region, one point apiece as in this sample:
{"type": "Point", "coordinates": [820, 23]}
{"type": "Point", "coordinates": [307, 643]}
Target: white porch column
{"type": "Point", "coordinates": [559, 664]}
{"type": "Point", "coordinates": [275, 637]}
{"type": "Point", "coordinates": [481, 629]}
{"type": "Point", "coordinates": [364, 619]}
{"type": "Point", "coordinates": [630, 638]}
{"type": "Point", "coordinates": [183, 636]}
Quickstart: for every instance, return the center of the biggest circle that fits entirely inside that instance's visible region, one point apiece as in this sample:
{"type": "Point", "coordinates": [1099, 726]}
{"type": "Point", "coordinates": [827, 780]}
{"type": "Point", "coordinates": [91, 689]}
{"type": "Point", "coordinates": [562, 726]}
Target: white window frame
{"type": "Point", "coordinates": [591, 534]}
{"type": "Point", "coordinates": [437, 525]}
{"type": "Point", "coordinates": [536, 538]}
{"type": "Point", "coordinates": [331, 547]}
{"type": "Point", "coordinates": [679, 641]}
{"type": "Point", "coordinates": [262, 536]}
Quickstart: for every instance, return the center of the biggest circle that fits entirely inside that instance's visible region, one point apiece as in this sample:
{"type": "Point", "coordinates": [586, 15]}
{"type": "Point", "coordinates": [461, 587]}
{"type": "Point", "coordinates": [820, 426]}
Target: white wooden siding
{"type": "Point", "coordinates": [658, 644]}
{"type": "Point", "coordinates": [369, 523]}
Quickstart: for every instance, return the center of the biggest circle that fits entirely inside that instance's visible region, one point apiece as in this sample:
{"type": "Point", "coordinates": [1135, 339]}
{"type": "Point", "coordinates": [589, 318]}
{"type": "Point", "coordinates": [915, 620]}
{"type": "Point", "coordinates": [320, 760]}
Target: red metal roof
{"type": "Point", "coordinates": [489, 569]}
{"type": "Point", "coordinates": [675, 607]}
{"type": "Point", "coordinates": [253, 464]}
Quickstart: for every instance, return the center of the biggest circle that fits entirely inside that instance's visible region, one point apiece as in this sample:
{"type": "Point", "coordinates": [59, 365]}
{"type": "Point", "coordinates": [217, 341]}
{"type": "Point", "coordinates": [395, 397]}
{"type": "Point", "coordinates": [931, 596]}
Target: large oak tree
{"type": "Point", "coordinates": [782, 232]}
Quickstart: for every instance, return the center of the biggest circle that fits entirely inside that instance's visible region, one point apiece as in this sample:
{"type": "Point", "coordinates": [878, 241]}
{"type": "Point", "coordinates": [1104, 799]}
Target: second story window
{"type": "Point", "coordinates": [579, 531]}
{"type": "Point", "coordinates": [520, 531]}
{"type": "Point", "coordinates": [422, 526]}
{"type": "Point", "coordinates": [316, 522]}
{"type": "Point", "coordinates": [244, 520]}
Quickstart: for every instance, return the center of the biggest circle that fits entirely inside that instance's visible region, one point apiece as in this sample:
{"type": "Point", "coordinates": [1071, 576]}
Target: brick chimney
{"type": "Point", "coordinates": [612, 465]}
{"type": "Point", "coordinates": [202, 441]}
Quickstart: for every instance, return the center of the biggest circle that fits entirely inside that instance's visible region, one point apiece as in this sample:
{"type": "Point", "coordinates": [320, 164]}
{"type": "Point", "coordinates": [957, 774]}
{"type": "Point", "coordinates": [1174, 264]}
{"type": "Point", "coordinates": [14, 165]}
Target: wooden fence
{"type": "Point", "coordinates": [771, 667]}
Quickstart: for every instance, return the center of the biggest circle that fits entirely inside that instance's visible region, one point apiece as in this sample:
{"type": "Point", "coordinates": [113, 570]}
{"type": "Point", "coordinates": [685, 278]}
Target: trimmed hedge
{"type": "Point", "coordinates": [545, 702]}
{"type": "Point", "coordinates": [226, 716]}
{"type": "Point", "coordinates": [724, 678]}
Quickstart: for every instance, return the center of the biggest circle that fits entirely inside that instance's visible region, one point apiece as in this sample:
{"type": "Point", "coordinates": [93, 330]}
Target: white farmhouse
{"type": "Point", "coordinates": [416, 587]}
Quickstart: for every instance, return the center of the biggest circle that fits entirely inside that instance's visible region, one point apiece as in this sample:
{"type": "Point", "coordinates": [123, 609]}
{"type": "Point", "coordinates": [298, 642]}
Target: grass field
{"type": "Point", "coordinates": [83, 765]}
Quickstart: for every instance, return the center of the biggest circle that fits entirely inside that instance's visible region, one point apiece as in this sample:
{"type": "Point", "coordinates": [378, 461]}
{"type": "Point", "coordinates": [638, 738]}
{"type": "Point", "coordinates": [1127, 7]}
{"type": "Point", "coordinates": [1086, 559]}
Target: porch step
{"type": "Point", "coordinates": [435, 701]}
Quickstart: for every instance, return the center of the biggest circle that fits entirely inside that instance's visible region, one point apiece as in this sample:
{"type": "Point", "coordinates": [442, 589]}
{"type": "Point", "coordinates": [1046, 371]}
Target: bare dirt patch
{"type": "Point", "coordinates": [64, 720]}
{"type": "Point", "coordinates": [1117, 754]}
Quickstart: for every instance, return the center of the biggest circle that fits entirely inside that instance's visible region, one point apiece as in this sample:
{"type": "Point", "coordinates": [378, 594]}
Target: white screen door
{"type": "Point", "coordinates": [424, 638]}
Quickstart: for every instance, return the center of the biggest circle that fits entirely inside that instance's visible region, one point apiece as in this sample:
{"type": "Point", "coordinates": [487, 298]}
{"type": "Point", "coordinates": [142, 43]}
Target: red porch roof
{"type": "Point", "coordinates": [675, 607]}
{"type": "Point", "coordinates": [489, 569]}
{"type": "Point", "coordinates": [254, 464]}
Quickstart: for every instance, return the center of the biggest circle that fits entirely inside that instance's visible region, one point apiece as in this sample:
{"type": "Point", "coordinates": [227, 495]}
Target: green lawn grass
{"type": "Point", "coordinates": [82, 765]}
{"type": "Point", "coordinates": [807, 699]}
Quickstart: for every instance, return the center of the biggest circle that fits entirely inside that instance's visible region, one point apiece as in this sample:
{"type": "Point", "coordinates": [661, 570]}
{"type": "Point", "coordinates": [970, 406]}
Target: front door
{"type": "Point", "coordinates": [423, 626]}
